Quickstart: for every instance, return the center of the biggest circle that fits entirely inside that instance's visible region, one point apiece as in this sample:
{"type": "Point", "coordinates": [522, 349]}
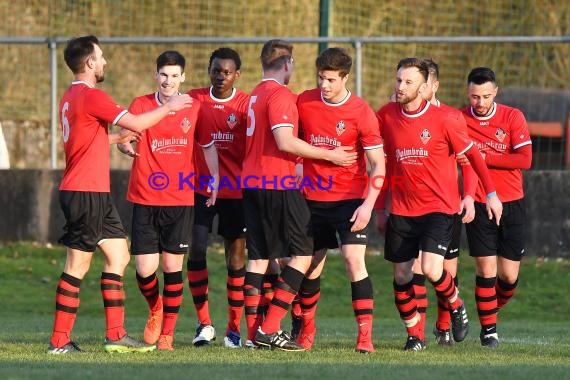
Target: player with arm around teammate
{"type": "Point", "coordinates": [163, 203]}
{"type": "Point", "coordinates": [340, 198]}
{"type": "Point", "coordinates": [91, 217]}
{"type": "Point", "coordinates": [276, 214]}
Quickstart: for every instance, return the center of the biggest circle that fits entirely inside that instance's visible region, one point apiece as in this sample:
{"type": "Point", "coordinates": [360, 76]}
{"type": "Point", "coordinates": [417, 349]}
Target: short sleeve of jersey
{"type": "Point", "coordinates": [456, 130]}
{"type": "Point", "coordinates": [101, 106]}
{"type": "Point", "coordinates": [136, 107]}
{"type": "Point", "coordinates": [202, 135]}
{"type": "Point", "coordinates": [282, 109]}
{"type": "Point", "coordinates": [369, 130]}
{"type": "Point", "coordinates": [520, 135]}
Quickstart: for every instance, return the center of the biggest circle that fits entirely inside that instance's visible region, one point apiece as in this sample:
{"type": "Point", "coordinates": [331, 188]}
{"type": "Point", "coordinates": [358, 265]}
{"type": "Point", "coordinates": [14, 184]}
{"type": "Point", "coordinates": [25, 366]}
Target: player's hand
{"type": "Point", "coordinates": [178, 102]}
{"type": "Point", "coordinates": [127, 148]}
{"type": "Point", "coordinates": [494, 208]}
{"type": "Point", "coordinates": [381, 221]}
{"type": "Point", "coordinates": [127, 136]}
{"type": "Point", "coordinates": [462, 159]}
{"type": "Point", "coordinates": [341, 156]}
{"type": "Point", "coordinates": [467, 205]}
{"type": "Point", "coordinates": [360, 218]}
{"type": "Point", "coordinates": [298, 173]}
{"type": "Point", "coordinates": [212, 189]}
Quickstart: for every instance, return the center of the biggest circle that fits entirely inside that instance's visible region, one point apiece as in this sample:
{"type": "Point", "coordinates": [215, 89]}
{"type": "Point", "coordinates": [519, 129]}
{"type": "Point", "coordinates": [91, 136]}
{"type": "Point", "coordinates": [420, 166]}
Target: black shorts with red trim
{"type": "Point", "coordinates": [506, 240]}
{"type": "Point", "coordinates": [407, 235]}
{"type": "Point", "coordinates": [231, 220]}
{"type": "Point", "coordinates": [278, 224]}
{"type": "Point", "coordinates": [453, 249]}
{"type": "Point", "coordinates": [330, 218]}
{"type": "Point", "coordinates": [89, 218]}
{"type": "Point", "coordinates": [157, 229]}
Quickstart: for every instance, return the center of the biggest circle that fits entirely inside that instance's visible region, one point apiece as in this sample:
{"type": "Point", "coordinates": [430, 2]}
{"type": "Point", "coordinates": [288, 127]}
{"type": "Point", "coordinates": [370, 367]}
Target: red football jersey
{"type": "Point", "coordinates": [421, 166]}
{"type": "Point", "coordinates": [225, 120]}
{"type": "Point", "coordinates": [348, 123]}
{"type": "Point", "coordinates": [163, 172]}
{"type": "Point", "coordinates": [502, 132]}
{"type": "Point", "coordinates": [272, 105]}
{"type": "Point", "coordinates": [86, 113]}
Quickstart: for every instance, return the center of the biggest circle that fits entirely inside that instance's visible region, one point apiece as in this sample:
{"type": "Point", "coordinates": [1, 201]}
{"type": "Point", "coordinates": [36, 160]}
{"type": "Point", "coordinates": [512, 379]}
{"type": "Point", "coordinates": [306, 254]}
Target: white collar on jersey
{"type": "Point", "coordinates": [486, 117]}
{"type": "Point", "coordinates": [157, 98]}
{"type": "Point", "coordinates": [271, 79]}
{"type": "Point", "coordinates": [416, 114]}
{"type": "Point", "coordinates": [217, 100]}
{"type": "Point", "coordinates": [344, 100]}
{"type": "Point", "coordinates": [81, 82]}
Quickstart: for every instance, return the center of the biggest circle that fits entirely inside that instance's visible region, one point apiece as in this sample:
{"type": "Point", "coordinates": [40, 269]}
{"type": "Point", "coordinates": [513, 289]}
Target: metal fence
{"type": "Point", "coordinates": [366, 80]}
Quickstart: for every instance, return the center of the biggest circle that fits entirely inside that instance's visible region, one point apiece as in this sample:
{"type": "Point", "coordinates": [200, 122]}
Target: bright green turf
{"type": "Point", "coordinates": [533, 330]}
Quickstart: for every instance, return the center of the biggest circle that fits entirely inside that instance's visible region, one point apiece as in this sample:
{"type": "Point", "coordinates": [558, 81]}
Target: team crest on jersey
{"type": "Point", "coordinates": [231, 120]}
{"type": "Point", "coordinates": [500, 134]}
{"type": "Point", "coordinates": [340, 128]}
{"type": "Point", "coordinates": [425, 136]}
{"type": "Point", "coordinates": [185, 125]}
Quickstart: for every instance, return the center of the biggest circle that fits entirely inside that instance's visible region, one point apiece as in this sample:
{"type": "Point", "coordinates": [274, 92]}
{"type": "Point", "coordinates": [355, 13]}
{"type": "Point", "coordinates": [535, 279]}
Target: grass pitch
{"type": "Point", "coordinates": [533, 329]}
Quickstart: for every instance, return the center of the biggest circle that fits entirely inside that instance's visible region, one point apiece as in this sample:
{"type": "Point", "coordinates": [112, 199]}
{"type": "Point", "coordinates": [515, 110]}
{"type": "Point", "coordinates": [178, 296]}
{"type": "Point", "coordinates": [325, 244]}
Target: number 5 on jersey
{"type": "Point", "coordinates": [250, 117]}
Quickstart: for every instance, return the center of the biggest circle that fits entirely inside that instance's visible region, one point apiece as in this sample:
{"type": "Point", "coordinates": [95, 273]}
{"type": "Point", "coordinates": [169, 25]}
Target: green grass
{"type": "Point", "coordinates": [533, 329]}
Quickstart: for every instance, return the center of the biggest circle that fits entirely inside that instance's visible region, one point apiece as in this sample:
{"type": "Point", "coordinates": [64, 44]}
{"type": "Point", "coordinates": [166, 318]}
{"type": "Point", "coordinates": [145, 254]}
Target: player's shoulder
{"type": "Point", "coordinates": [388, 107]}
{"type": "Point", "coordinates": [146, 101]}
{"type": "Point", "coordinates": [241, 97]}
{"type": "Point", "coordinates": [199, 93]}
{"type": "Point", "coordinates": [508, 110]}
{"type": "Point", "coordinates": [447, 108]}
{"type": "Point", "coordinates": [355, 101]}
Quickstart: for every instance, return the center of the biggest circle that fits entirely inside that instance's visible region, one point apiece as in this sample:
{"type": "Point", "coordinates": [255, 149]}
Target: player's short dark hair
{"type": "Point", "coordinates": [275, 53]}
{"type": "Point", "coordinates": [420, 64]}
{"type": "Point", "coordinates": [334, 59]}
{"type": "Point", "coordinates": [480, 75]}
{"type": "Point", "coordinates": [225, 53]}
{"type": "Point", "coordinates": [170, 58]}
{"type": "Point", "coordinates": [433, 67]}
{"type": "Point", "coordinates": [78, 49]}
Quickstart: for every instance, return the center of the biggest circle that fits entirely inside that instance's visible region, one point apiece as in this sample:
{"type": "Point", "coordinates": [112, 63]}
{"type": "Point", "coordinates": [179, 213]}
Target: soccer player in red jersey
{"type": "Point", "coordinates": [163, 198]}
{"type": "Point", "coordinates": [340, 198]}
{"type": "Point", "coordinates": [223, 113]}
{"type": "Point", "coordinates": [421, 142]}
{"type": "Point", "coordinates": [91, 217]}
{"type": "Point", "coordinates": [276, 214]}
{"type": "Point", "coordinates": [442, 330]}
{"type": "Point", "coordinates": [501, 134]}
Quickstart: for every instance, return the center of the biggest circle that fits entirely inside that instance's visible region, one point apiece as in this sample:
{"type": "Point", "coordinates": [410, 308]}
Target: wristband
{"type": "Point", "coordinates": [491, 194]}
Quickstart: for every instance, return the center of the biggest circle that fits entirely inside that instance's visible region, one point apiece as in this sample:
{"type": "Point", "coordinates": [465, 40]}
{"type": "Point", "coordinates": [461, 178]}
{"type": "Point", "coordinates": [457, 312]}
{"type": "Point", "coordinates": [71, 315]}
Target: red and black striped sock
{"type": "Point", "coordinates": [253, 284]}
{"type": "Point", "coordinates": [486, 300]}
{"type": "Point", "coordinates": [198, 282]}
{"type": "Point", "coordinates": [171, 299]}
{"type": "Point", "coordinates": [287, 286]}
{"type": "Point", "coordinates": [296, 310]}
{"type": "Point", "coordinates": [407, 307]}
{"type": "Point", "coordinates": [420, 293]}
{"type": "Point", "coordinates": [66, 305]}
{"type": "Point", "coordinates": [308, 296]}
{"type": "Point", "coordinates": [114, 302]}
{"type": "Point", "coordinates": [234, 291]}
{"type": "Point", "coordinates": [446, 290]}
{"type": "Point", "coordinates": [505, 291]}
{"type": "Point", "coordinates": [269, 282]}
{"type": "Point", "coordinates": [149, 287]}
{"type": "Point", "coordinates": [443, 317]}
{"type": "Point", "coordinates": [363, 305]}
